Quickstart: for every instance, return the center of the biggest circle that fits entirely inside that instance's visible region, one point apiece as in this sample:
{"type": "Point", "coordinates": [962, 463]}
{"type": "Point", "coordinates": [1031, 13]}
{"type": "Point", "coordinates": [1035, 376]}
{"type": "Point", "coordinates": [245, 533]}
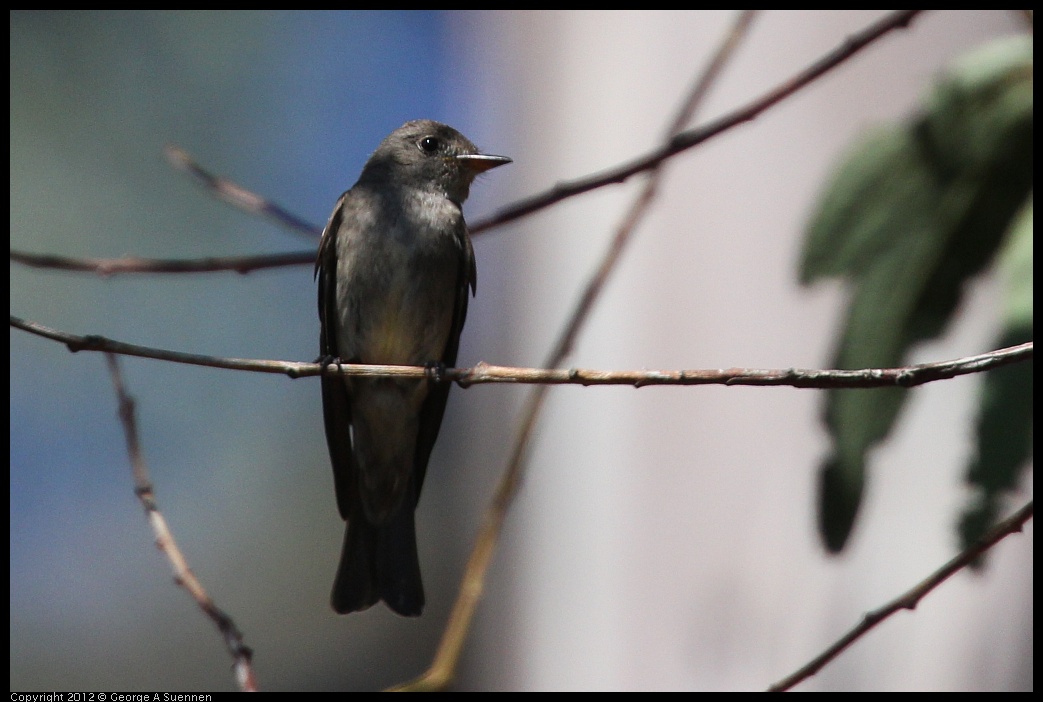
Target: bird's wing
{"type": "Point", "coordinates": [434, 405]}
{"type": "Point", "coordinates": [336, 405]}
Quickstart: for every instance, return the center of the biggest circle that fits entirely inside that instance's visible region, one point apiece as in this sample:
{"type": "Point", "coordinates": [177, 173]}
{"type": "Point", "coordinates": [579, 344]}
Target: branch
{"type": "Point", "coordinates": [911, 598]}
{"type": "Point", "coordinates": [76, 343]}
{"type": "Point", "coordinates": [238, 196]}
{"type": "Point", "coordinates": [694, 137]}
{"type": "Point", "coordinates": [484, 373]}
{"type": "Point", "coordinates": [135, 264]}
{"type": "Point", "coordinates": [183, 575]}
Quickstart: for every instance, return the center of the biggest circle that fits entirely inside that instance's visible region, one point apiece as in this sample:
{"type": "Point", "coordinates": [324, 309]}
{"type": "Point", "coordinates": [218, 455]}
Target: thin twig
{"type": "Point", "coordinates": [183, 575]}
{"type": "Point", "coordinates": [238, 196]}
{"type": "Point", "coordinates": [484, 373]}
{"type": "Point", "coordinates": [694, 137]}
{"type": "Point", "coordinates": [910, 599]}
{"type": "Point", "coordinates": [135, 264]}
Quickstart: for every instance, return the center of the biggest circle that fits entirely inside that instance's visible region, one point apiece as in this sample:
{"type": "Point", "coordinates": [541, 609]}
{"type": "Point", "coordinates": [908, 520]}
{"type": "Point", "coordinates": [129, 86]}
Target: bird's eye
{"type": "Point", "coordinates": [429, 144]}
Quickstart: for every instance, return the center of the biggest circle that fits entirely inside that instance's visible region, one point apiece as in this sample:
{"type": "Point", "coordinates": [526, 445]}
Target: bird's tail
{"type": "Point", "coordinates": [380, 562]}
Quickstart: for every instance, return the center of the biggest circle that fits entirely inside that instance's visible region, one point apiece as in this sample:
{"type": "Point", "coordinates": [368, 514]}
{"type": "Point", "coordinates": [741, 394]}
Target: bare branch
{"type": "Point", "coordinates": [911, 598]}
{"type": "Point", "coordinates": [484, 373]}
{"type": "Point", "coordinates": [77, 343]}
{"type": "Point", "coordinates": [135, 264]}
{"type": "Point", "coordinates": [694, 137]}
{"type": "Point", "coordinates": [183, 575]}
{"type": "Point", "coordinates": [238, 196]}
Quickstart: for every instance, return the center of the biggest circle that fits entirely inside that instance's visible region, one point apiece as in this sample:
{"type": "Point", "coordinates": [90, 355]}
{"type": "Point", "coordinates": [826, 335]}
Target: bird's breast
{"type": "Point", "coordinates": [397, 299]}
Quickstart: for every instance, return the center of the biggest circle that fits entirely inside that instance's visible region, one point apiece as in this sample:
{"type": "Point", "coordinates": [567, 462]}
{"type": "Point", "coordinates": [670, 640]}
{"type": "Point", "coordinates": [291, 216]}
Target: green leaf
{"type": "Point", "coordinates": [1004, 430]}
{"type": "Point", "coordinates": [913, 213]}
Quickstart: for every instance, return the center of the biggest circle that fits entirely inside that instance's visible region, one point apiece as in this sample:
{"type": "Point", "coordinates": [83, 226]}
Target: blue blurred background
{"type": "Point", "coordinates": [289, 104]}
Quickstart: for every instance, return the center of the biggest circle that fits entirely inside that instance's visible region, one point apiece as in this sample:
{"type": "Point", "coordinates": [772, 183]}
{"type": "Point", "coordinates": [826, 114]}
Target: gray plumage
{"type": "Point", "coordinates": [395, 268]}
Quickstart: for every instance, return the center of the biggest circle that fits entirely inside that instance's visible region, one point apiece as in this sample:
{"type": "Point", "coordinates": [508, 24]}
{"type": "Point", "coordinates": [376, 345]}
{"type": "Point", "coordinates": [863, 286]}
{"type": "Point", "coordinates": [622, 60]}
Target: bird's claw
{"type": "Point", "coordinates": [435, 371]}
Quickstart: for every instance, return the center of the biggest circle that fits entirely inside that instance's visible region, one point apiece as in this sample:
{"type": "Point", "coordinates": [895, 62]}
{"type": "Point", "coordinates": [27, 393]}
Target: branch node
{"type": "Point", "coordinates": [89, 342]}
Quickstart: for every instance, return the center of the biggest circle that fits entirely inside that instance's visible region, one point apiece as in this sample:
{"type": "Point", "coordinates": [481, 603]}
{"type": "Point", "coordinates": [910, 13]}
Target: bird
{"type": "Point", "coordinates": [395, 267]}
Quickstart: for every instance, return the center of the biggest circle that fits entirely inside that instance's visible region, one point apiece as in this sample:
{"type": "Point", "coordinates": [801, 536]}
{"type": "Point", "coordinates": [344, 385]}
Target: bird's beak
{"type": "Point", "coordinates": [479, 163]}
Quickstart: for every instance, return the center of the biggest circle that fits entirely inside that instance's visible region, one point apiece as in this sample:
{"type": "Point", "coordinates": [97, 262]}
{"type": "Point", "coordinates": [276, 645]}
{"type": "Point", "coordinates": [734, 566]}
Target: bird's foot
{"type": "Point", "coordinates": [435, 371]}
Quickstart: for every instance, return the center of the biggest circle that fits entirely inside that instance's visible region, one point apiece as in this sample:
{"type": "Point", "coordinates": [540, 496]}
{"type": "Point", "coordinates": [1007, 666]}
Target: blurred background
{"type": "Point", "coordinates": [663, 539]}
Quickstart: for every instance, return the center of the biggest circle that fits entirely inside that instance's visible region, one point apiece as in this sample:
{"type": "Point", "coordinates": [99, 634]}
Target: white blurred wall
{"type": "Point", "coordinates": [665, 538]}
